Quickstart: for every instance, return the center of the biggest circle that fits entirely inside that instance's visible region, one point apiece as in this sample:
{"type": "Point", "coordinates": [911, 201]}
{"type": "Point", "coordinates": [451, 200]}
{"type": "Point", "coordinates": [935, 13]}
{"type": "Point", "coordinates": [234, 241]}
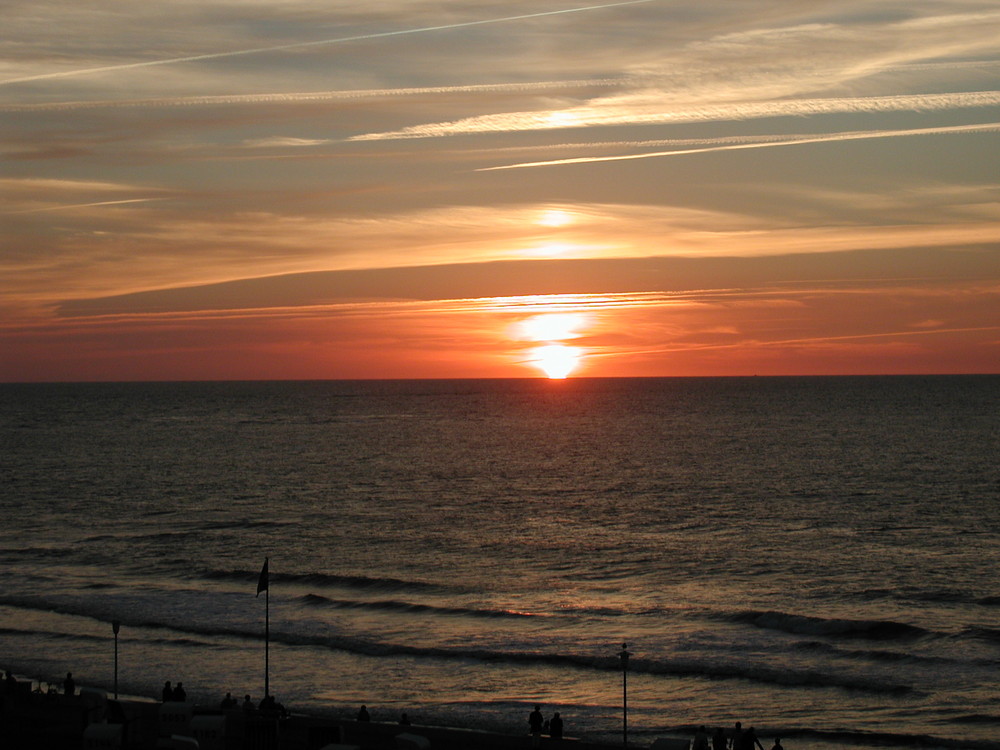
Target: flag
{"type": "Point", "coordinates": [263, 579]}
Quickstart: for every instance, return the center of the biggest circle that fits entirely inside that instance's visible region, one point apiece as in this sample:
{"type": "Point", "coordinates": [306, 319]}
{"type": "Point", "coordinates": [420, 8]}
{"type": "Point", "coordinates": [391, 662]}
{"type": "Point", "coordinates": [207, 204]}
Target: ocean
{"type": "Point", "coordinates": [814, 557]}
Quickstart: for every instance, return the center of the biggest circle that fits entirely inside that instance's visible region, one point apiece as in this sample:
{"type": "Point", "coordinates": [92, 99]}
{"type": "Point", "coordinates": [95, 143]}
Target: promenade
{"type": "Point", "coordinates": [91, 720]}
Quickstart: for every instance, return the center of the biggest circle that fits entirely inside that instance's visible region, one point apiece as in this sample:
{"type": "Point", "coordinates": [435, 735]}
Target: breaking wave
{"type": "Point", "coordinates": [882, 630]}
{"type": "Point", "coordinates": [315, 600]}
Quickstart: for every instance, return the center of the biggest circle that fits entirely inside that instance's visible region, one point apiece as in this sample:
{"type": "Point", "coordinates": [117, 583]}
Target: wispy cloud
{"type": "Point", "coordinates": [607, 116]}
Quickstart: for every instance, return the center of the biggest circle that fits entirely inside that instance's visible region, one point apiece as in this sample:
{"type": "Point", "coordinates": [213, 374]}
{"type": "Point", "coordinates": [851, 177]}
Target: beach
{"type": "Point", "coordinates": [90, 719]}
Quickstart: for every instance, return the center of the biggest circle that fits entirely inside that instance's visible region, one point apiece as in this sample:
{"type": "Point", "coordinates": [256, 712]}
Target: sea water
{"type": "Point", "coordinates": [816, 557]}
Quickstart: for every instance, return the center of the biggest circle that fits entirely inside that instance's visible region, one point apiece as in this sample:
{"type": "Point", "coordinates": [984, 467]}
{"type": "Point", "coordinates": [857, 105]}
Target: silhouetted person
{"type": "Point", "coordinates": [168, 692]}
{"type": "Point", "coordinates": [556, 726]}
{"type": "Point", "coordinates": [777, 744]}
{"type": "Point", "coordinates": [69, 685]}
{"type": "Point", "coordinates": [180, 695]}
{"type": "Point", "coordinates": [718, 739]}
{"type": "Point", "coordinates": [535, 725]}
{"type": "Point", "coordinates": [736, 740]}
{"type": "Point", "coordinates": [248, 706]}
{"type": "Point", "coordinates": [404, 720]}
{"type": "Point", "coordinates": [228, 703]}
{"type": "Point", "coordinates": [270, 706]}
{"type": "Point", "coordinates": [535, 721]}
{"type": "Point", "coordinates": [750, 739]}
{"type": "Point", "coordinates": [363, 714]}
{"type": "Point", "coordinates": [700, 739]}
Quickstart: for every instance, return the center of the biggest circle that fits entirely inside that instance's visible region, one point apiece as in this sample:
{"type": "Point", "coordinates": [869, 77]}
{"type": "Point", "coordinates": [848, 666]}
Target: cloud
{"type": "Point", "coordinates": [278, 141]}
{"type": "Point", "coordinates": [634, 115]}
{"type": "Point", "coordinates": [600, 280]}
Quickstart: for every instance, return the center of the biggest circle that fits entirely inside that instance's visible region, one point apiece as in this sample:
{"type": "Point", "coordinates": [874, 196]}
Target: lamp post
{"type": "Point", "coordinates": [624, 655]}
{"type": "Point", "coordinates": [115, 627]}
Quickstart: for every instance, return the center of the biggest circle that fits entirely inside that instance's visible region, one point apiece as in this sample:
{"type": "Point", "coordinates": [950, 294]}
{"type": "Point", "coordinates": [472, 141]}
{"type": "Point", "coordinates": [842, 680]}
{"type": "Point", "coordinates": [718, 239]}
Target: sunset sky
{"type": "Point", "coordinates": [258, 189]}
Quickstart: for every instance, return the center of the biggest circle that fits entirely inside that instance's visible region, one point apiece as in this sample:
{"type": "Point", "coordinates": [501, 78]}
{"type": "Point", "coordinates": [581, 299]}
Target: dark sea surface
{"type": "Point", "coordinates": [816, 557]}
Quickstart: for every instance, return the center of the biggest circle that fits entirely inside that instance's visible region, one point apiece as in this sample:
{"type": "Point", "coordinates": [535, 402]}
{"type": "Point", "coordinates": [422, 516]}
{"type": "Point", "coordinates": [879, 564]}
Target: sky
{"type": "Point", "coordinates": [318, 189]}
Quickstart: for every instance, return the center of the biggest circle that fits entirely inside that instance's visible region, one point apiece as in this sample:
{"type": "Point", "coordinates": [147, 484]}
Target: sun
{"type": "Point", "coordinates": [556, 360]}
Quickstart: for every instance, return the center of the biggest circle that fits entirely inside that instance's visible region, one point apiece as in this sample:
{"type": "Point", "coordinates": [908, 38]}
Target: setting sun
{"type": "Point", "coordinates": [555, 360]}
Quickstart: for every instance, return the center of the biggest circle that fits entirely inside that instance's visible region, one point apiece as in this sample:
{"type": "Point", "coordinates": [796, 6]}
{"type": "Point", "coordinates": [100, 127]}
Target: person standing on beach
{"type": "Point", "coordinates": [535, 724]}
{"type": "Point", "coordinates": [556, 727]}
{"type": "Point", "coordinates": [777, 744]}
{"type": "Point", "coordinates": [700, 739]}
{"type": "Point", "coordinates": [168, 692]}
{"type": "Point", "coordinates": [750, 739]}
{"type": "Point", "coordinates": [69, 684]}
{"type": "Point", "coordinates": [363, 714]}
{"type": "Point", "coordinates": [736, 738]}
{"type": "Point", "coordinates": [180, 695]}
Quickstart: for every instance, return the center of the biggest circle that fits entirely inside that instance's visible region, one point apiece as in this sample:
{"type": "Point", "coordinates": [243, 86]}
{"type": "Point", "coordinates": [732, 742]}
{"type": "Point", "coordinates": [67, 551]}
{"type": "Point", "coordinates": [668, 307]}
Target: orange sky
{"type": "Point", "coordinates": [293, 190]}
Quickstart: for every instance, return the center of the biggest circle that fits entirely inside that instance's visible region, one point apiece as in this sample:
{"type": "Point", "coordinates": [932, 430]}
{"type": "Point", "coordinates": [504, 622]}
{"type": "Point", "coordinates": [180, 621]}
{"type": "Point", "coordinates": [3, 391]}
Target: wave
{"type": "Point", "coordinates": [325, 580]}
{"type": "Point", "coordinates": [890, 657]}
{"type": "Point", "coordinates": [53, 635]}
{"type": "Point", "coordinates": [314, 600]}
{"type": "Point", "coordinates": [930, 596]}
{"type": "Point", "coordinates": [882, 630]}
{"type": "Point", "coordinates": [18, 553]}
{"type": "Point", "coordinates": [977, 719]}
{"type": "Point", "coordinates": [365, 647]}
{"type": "Point", "coordinates": [982, 633]}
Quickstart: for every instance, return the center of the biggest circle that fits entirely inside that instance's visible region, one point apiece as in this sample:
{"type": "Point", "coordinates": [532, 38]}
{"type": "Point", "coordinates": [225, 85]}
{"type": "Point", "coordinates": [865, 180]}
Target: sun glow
{"type": "Point", "coordinates": [548, 331]}
{"type": "Point", "coordinates": [556, 360]}
{"type": "Point", "coordinates": [552, 326]}
{"type": "Point", "coordinates": [555, 217]}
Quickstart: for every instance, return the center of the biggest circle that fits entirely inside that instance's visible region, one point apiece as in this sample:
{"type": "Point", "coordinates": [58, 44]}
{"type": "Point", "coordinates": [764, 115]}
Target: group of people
{"type": "Point", "coordinates": [363, 716]}
{"type": "Point", "coordinates": [738, 739]}
{"type": "Point", "coordinates": [267, 706]}
{"type": "Point", "coordinates": [539, 725]}
{"type": "Point", "coordinates": [175, 694]}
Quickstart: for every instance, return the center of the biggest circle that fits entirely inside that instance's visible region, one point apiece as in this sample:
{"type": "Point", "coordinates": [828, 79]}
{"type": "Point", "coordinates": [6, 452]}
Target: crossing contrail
{"type": "Point", "coordinates": [317, 43]}
{"type": "Point", "coordinates": [988, 127]}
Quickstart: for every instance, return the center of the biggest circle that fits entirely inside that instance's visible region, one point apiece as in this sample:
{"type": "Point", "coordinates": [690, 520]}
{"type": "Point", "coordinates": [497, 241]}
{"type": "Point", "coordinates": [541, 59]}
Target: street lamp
{"type": "Point", "coordinates": [624, 655]}
{"type": "Point", "coordinates": [116, 626]}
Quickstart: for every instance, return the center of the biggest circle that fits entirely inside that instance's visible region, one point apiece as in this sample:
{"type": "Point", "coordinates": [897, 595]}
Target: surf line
{"type": "Point", "coordinates": [318, 42]}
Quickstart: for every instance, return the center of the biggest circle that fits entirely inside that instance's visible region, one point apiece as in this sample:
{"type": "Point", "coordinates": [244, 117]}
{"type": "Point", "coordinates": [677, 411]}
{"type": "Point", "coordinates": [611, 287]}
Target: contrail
{"type": "Point", "coordinates": [318, 42]}
{"type": "Point", "coordinates": [315, 96]}
{"type": "Point", "coordinates": [82, 205]}
{"type": "Point", "coordinates": [794, 141]}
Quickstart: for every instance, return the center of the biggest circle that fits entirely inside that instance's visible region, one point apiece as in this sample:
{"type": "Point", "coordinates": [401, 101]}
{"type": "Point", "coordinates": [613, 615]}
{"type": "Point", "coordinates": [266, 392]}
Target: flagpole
{"type": "Point", "coordinates": [264, 584]}
{"type": "Point", "coordinates": [267, 640]}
